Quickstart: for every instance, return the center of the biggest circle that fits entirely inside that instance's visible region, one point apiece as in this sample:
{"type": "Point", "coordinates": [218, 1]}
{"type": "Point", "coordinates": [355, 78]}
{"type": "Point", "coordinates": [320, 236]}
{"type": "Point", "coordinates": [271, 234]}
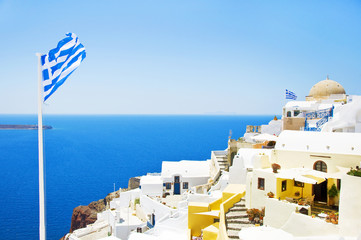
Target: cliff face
{"type": "Point", "coordinates": [84, 215]}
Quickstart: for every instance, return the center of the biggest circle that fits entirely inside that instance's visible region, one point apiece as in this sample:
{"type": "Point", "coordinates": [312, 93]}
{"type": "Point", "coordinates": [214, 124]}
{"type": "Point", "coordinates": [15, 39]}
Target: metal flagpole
{"type": "Point", "coordinates": [42, 232]}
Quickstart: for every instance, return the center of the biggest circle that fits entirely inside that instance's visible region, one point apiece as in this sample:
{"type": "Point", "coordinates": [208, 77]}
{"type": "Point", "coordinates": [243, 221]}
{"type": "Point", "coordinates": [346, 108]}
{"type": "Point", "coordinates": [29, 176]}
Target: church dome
{"type": "Point", "coordinates": [325, 88]}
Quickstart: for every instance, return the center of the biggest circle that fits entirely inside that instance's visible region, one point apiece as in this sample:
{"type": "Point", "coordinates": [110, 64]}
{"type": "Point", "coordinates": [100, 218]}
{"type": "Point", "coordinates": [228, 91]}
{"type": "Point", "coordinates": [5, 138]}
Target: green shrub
{"type": "Point", "coordinates": [333, 192]}
{"type": "Point", "coordinates": [354, 172]}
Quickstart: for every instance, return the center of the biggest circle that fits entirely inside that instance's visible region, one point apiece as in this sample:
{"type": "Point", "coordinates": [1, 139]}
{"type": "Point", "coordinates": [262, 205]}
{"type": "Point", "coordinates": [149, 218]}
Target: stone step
{"type": "Point", "coordinates": [223, 160]}
{"type": "Point", "coordinates": [236, 213]}
{"type": "Point", "coordinates": [234, 226]}
{"type": "Point", "coordinates": [238, 208]}
{"type": "Point", "coordinates": [238, 221]}
{"type": "Point", "coordinates": [239, 226]}
{"type": "Point", "coordinates": [243, 201]}
{"type": "Point", "coordinates": [233, 234]}
{"type": "Point", "coordinates": [222, 163]}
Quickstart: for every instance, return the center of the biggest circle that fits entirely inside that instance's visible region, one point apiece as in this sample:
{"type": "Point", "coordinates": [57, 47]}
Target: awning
{"type": "Point", "coordinates": [304, 175]}
{"type": "Point", "coordinates": [264, 137]}
{"type": "Point", "coordinates": [317, 179]}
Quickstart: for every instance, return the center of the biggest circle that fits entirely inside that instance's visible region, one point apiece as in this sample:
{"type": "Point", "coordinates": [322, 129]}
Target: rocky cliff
{"type": "Point", "coordinates": [84, 215]}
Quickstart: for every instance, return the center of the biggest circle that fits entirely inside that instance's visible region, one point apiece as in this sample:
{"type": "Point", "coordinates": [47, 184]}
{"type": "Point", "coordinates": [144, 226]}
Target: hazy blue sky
{"type": "Point", "coordinates": [180, 57]}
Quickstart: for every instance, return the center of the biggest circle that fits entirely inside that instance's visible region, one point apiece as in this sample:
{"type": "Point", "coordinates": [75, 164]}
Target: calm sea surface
{"type": "Point", "coordinates": [85, 155]}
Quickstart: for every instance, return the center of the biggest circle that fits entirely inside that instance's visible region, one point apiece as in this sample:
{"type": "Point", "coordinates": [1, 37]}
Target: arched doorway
{"type": "Point", "coordinates": [320, 190]}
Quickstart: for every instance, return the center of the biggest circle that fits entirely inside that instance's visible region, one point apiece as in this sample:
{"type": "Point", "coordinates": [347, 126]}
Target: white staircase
{"type": "Point", "coordinates": [236, 219]}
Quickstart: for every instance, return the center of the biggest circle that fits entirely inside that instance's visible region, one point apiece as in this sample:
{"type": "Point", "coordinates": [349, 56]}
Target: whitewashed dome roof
{"type": "Point", "coordinates": [326, 88]}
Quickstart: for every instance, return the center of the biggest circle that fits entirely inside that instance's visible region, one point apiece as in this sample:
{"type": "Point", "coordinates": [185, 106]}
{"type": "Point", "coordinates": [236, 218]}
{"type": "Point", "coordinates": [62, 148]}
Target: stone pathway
{"type": "Point", "coordinates": [236, 219]}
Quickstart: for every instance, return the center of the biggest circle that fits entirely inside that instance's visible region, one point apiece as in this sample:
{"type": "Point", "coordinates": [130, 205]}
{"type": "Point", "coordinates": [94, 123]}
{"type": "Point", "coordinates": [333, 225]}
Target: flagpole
{"type": "Point", "coordinates": [42, 231]}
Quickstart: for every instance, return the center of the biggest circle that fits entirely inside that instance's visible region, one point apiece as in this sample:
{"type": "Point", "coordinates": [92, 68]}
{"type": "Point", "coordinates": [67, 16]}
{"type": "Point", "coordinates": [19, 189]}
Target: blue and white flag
{"type": "Point", "coordinates": [60, 62]}
{"type": "Point", "coordinates": [290, 95]}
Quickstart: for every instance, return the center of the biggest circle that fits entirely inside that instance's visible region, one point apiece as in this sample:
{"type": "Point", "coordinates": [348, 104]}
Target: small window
{"type": "Point", "coordinates": [168, 185]}
{"type": "Point", "coordinates": [261, 183]}
{"type": "Point", "coordinates": [299, 184]}
{"type": "Point", "coordinates": [296, 113]}
{"type": "Point", "coordinates": [185, 185]}
{"type": "Point", "coordinates": [289, 114]}
{"type": "Point", "coordinates": [320, 166]}
{"type": "Point", "coordinates": [284, 185]}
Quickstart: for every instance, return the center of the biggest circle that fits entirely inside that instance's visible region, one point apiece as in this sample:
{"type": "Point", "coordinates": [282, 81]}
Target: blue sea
{"type": "Point", "coordinates": [86, 155]}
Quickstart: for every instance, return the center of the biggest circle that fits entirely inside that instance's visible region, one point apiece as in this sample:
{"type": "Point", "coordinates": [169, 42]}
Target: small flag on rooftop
{"type": "Point", "coordinates": [290, 95]}
{"type": "Point", "coordinates": [60, 62]}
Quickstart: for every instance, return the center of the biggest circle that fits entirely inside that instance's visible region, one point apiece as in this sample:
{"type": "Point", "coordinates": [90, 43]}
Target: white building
{"type": "Point", "coordinates": [327, 108]}
{"type": "Point", "coordinates": [319, 141]}
{"type": "Point", "coordinates": [179, 177]}
{"type": "Point", "coordinates": [245, 161]}
{"type": "Point", "coordinates": [151, 185]}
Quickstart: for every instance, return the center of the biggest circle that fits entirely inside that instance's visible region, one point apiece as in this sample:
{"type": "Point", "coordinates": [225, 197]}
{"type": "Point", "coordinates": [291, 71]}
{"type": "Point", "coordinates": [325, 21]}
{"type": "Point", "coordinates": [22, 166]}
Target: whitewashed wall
{"type": "Point", "coordinates": [153, 190]}
{"type": "Point", "coordinates": [248, 159]}
{"type": "Point", "coordinates": [200, 198]}
{"type": "Point", "coordinates": [238, 171]}
{"type": "Point", "coordinates": [150, 206]}
{"type": "Point", "coordinates": [350, 206]}
{"type": "Point", "coordinates": [249, 189]}
{"type": "Point", "coordinates": [122, 231]}
{"type": "Point", "coordinates": [124, 199]}
{"type": "Point", "coordinates": [192, 181]}
{"type": "Point", "coordinates": [278, 212]}
{"type": "Point", "coordinates": [300, 225]}
{"type": "Point", "coordinates": [273, 127]}
{"type": "Point", "coordinates": [258, 197]}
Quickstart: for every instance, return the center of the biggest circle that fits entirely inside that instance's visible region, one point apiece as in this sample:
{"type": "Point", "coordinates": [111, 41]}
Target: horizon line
{"type": "Point", "coordinates": [145, 114]}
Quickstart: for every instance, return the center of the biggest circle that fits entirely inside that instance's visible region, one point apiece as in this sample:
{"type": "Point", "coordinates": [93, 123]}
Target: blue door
{"type": "Point", "coordinates": [176, 185]}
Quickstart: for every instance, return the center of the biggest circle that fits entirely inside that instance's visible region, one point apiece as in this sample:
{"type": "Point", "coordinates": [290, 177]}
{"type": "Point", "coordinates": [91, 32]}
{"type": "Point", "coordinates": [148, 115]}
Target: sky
{"type": "Point", "coordinates": [180, 57]}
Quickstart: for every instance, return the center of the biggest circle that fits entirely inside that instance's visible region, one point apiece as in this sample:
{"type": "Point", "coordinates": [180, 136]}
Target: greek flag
{"type": "Point", "coordinates": [290, 95]}
{"type": "Point", "coordinates": [60, 62]}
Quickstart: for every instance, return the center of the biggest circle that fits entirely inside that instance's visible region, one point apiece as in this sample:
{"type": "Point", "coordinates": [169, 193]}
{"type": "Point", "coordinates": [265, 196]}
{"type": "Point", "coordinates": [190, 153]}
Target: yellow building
{"type": "Point", "coordinates": [208, 219]}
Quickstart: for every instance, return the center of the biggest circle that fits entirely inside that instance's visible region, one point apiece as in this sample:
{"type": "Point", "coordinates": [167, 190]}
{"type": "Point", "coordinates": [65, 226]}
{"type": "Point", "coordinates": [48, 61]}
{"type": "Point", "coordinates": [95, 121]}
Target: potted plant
{"type": "Point", "coordinates": [355, 172]}
{"type": "Point", "coordinates": [275, 167]}
{"type": "Point", "coordinates": [270, 195]}
{"type": "Point", "coordinates": [301, 202]}
{"type": "Point", "coordinates": [332, 193]}
{"type": "Point", "coordinates": [251, 214]}
{"type": "Point", "coordinates": [332, 217]}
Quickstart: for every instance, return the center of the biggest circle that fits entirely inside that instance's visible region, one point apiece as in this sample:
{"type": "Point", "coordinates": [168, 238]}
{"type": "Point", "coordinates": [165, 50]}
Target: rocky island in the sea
{"type": "Point", "coordinates": [22, 127]}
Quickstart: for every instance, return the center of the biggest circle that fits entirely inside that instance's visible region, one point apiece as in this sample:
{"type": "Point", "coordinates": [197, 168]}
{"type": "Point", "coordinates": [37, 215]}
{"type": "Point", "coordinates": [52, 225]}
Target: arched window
{"type": "Point", "coordinates": [289, 114]}
{"type": "Point", "coordinates": [320, 166]}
